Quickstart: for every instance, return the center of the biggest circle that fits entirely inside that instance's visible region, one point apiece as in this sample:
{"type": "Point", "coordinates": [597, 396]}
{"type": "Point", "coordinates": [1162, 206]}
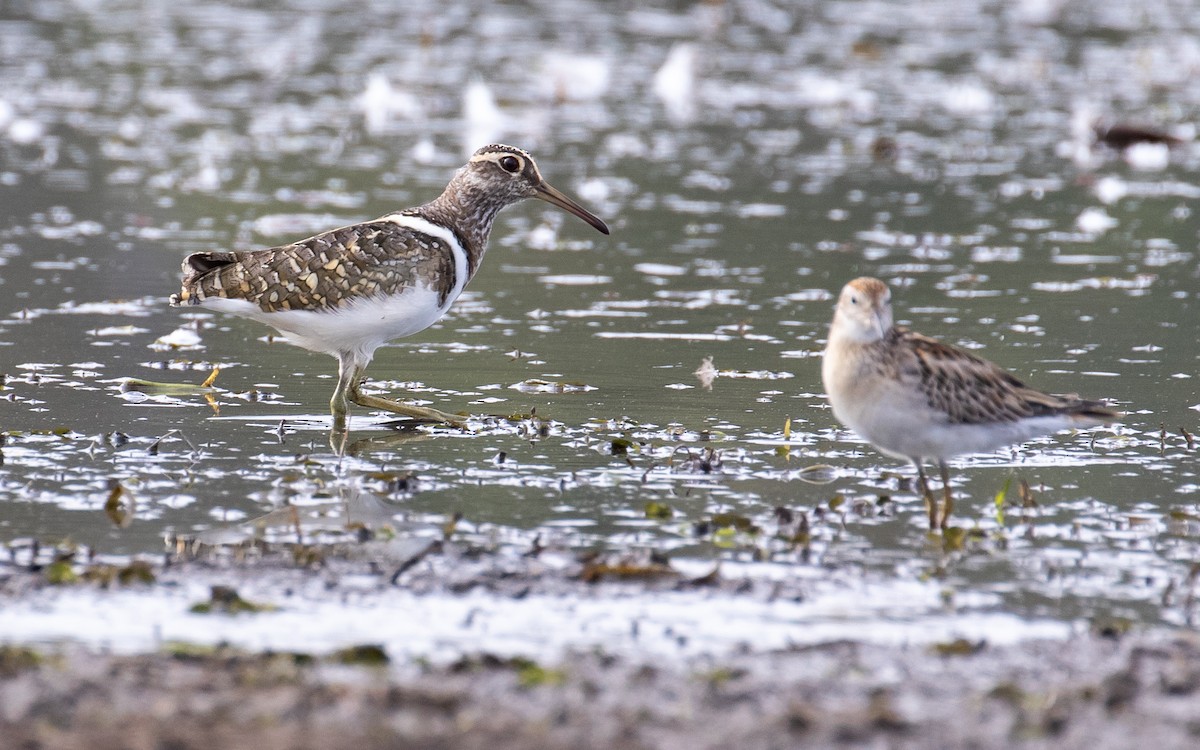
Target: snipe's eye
{"type": "Point", "coordinates": [510, 164]}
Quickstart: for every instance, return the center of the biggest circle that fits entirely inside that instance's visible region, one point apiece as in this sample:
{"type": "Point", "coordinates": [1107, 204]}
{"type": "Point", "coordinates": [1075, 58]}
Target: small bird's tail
{"type": "Point", "coordinates": [1080, 412]}
{"type": "Point", "coordinates": [1089, 413]}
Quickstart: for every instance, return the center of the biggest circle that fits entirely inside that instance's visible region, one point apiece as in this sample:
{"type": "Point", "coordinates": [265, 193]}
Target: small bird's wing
{"type": "Point", "coordinates": [323, 272]}
{"type": "Point", "coordinates": [971, 390]}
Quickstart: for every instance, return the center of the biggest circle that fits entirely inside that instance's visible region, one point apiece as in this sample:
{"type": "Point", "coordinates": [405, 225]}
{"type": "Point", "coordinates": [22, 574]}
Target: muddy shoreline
{"type": "Point", "coordinates": [1107, 688]}
{"type": "Point", "coordinates": [1095, 692]}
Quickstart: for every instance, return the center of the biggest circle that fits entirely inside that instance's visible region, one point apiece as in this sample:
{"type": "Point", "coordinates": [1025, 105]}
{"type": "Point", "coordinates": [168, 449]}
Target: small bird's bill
{"type": "Point", "coordinates": [554, 197]}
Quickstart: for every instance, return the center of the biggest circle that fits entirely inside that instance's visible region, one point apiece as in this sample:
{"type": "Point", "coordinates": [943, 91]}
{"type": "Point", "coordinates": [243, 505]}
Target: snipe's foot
{"type": "Point", "coordinates": [422, 413]}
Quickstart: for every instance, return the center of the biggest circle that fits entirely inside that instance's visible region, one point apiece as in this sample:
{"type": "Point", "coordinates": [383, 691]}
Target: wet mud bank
{"type": "Point", "coordinates": [1092, 692]}
{"type": "Point", "coordinates": [1105, 687]}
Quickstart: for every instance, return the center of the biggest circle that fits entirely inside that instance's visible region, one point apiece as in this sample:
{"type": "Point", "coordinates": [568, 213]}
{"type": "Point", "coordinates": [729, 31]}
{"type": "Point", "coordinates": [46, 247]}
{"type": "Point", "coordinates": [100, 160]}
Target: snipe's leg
{"type": "Point", "coordinates": [930, 503]}
{"type": "Point", "coordinates": [339, 405]}
{"type": "Point", "coordinates": [416, 412]}
{"type": "Point", "coordinates": [947, 497]}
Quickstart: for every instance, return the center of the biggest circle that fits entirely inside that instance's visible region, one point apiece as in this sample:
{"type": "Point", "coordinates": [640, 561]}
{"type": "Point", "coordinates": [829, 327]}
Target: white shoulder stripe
{"type": "Point", "coordinates": [461, 269]}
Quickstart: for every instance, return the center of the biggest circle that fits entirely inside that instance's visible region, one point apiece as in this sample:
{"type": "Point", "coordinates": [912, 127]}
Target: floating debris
{"type": "Point", "coordinates": [17, 659]}
{"type": "Point", "coordinates": [704, 462]}
{"type": "Point", "coordinates": [735, 521]}
{"type": "Point", "coordinates": [660, 269]}
{"type": "Point", "coordinates": [1095, 221]}
{"type": "Point", "coordinates": [226, 600]}
{"type": "Point", "coordinates": [658, 511]}
{"type": "Point", "coordinates": [1148, 157]}
{"type": "Point", "coordinates": [818, 474]}
{"type": "Point", "coordinates": [1027, 498]}
{"type": "Point", "coordinates": [129, 330]}
{"type": "Point", "coordinates": [627, 568]}
{"type": "Point", "coordinates": [120, 505]}
{"type": "Point", "coordinates": [1001, 499]}
{"type": "Point", "coordinates": [1121, 136]}
{"type": "Point", "coordinates": [530, 674]}
{"type": "Point", "coordinates": [181, 339]}
{"type": "Point", "coordinates": [61, 572]}
{"type": "Point", "coordinates": [536, 385]}
{"type": "Point", "coordinates": [155, 388]}
{"type": "Point", "coordinates": [706, 373]}
{"type": "Point", "coordinates": [959, 647]}
{"type": "Point", "coordinates": [414, 550]}
{"type": "Point", "coordinates": [154, 447]}
{"type": "Point", "coordinates": [363, 655]}
{"type": "Point", "coordinates": [105, 575]}
{"type": "Point", "coordinates": [675, 83]}
{"type": "Point", "coordinates": [785, 450]}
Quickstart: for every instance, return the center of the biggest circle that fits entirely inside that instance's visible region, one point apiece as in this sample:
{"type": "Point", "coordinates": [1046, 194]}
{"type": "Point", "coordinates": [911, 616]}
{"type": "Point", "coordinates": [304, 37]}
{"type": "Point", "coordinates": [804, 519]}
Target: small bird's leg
{"type": "Point", "coordinates": [422, 413]}
{"type": "Point", "coordinates": [930, 503]}
{"type": "Point", "coordinates": [947, 498]}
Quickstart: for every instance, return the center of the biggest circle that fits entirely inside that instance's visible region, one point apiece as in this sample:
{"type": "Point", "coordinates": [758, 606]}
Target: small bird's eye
{"type": "Point", "coordinates": [854, 300]}
{"type": "Point", "coordinates": [510, 164]}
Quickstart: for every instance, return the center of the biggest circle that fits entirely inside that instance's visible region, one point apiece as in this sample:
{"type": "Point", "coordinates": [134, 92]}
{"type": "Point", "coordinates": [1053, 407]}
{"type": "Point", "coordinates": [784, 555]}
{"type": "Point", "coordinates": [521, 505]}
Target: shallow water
{"type": "Point", "coordinates": [945, 149]}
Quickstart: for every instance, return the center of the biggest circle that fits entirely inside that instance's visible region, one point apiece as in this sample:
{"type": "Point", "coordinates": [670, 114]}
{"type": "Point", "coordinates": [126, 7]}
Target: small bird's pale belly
{"type": "Point", "coordinates": [360, 326]}
{"type": "Point", "coordinates": [908, 428]}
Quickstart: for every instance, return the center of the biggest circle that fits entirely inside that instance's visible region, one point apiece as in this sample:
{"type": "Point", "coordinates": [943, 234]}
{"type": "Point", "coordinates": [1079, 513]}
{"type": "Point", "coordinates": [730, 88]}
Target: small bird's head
{"type": "Point", "coordinates": [508, 174]}
{"type": "Point", "coordinates": [864, 311]}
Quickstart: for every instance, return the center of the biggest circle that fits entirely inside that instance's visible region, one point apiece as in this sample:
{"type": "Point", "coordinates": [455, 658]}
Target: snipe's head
{"type": "Point", "coordinates": [863, 312]}
{"type": "Point", "coordinates": [502, 175]}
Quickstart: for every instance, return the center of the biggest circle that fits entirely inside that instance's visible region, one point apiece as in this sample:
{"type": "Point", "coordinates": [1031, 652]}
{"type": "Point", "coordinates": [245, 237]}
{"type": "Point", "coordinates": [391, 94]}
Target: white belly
{"type": "Point", "coordinates": [362, 326]}
{"type": "Point", "coordinates": [904, 426]}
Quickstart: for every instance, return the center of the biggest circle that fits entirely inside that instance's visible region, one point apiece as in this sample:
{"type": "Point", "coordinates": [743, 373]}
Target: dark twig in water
{"type": "Point", "coordinates": [1121, 136]}
{"type": "Point", "coordinates": [1027, 499]}
{"type": "Point", "coordinates": [153, 449]}
{"type": "Point", "coordinates": [294, 514]}
{"type": "Point", "coordinates": [434, 546]}
{"type": "Point", "coordinates": [1191, 442]}
{"type": "Point", "coordinates": [535, 547]}
{"type": "Point", "coordinates": [705, 462]}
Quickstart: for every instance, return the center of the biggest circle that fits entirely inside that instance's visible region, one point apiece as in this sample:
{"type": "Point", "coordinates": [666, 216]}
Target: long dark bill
{"type": "Point", "coordinates": [552, 196]}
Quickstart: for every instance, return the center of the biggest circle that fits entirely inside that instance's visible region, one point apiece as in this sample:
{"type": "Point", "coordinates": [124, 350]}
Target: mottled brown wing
{"type": "Point", "coordinates": [972, 390]}
{"type": "Point", "coordinates": [325, 271]}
